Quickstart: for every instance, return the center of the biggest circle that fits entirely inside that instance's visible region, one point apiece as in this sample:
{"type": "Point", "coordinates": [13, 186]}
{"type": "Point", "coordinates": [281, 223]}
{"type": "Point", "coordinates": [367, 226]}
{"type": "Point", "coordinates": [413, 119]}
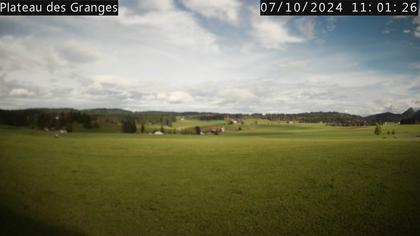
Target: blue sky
{"type": "Point", "coordinates": [218, 56]}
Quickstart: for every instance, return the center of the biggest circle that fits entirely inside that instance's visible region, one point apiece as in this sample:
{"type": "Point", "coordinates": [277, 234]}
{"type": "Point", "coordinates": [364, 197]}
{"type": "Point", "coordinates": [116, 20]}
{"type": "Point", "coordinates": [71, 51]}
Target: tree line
{"type": "Point", "coordinates": [55, 119]}
{"type": "Point", "coordinates": [48, 119]}
{"type": "Point", "coordinates": [132, 121]}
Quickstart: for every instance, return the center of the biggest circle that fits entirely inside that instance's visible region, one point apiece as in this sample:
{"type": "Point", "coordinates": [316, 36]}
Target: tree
{"type": "Point", "coordinates": [129, 125]}
{"type": "Point", "coordinates": [197, 130]}
{"type": "Point", "coordinates": [42, 121]}
{"type": "Point", "coordinates": [69, 127]}
{"type": "Point", "coordinates": [142, 129]}
{"type": "Point", "coordinates": [240, 128]}
{"type": "Point", "coordinates": [161, 129]}
{"type": "Point", "coordinates": [87, 122]}
{"type": "Point", "coordinates": [378, 129]}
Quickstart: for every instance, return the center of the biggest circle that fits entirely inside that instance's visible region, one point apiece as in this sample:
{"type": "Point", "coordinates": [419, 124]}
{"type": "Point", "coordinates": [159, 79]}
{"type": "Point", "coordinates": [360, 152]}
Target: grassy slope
{"type": "Point", "coordinates": [106, 127]}
{"type": "Point", "coordinates": [179, 124]}
{"type": "Point", "coordinates": [275, 179]}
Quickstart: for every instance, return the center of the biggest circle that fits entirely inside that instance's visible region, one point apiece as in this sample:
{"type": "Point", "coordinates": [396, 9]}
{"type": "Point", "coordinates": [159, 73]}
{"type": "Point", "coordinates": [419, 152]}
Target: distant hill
{"type": "Point", "coordinates": [384, 117]}
{"type": "Point", "coordinates": [332, 118]}
{"type": "Point", "coordinates": [410, 116]}
{"type": "Point", "coordinates": [105, 111]}
{"type": "Point", "coordinates": [408, 113]}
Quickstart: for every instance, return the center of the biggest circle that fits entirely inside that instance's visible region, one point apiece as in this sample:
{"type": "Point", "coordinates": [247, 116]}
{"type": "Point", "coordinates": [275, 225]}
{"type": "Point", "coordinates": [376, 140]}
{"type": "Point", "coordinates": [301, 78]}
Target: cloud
{"type": "Point", "coordinates": [156, 5]}
{"type": "Point", "coordinates": [416, 22]}
{"type": "Point", "coordinates": [178, 97]}
{"type": "Point", "coordinates": [416, 65]}
{"type": "Point", "coordinates": [237, 95]}
{"type": "Point", "coordinates": [77, 52]}
{"type": "Point", "coordinates": [223, 10]}
{"type": "Point", "coordinates": [114, 82]}
{"type": "Point", "coordinates": [272, 34]}
{"type": "Point", "coordinates": [306, 26]}
{"type": "Point", "coordinates": [28, 54]}
{"type": "Point", "coordinates": [21, 92]}
{"type": "Point", "coordinates": [170, 27]}
{"type": "Point", "coordinates": [15, 54]}
{"type": "Point", "coordinates": [331, 23]}
{"type": "Point", "coordinates": [401, 17]}
{"type": "Point", "coordinates": [164, 55]}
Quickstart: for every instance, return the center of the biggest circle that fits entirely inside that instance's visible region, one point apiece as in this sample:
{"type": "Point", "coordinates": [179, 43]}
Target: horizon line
{"type": "Point", "coordinates": [229, 113]}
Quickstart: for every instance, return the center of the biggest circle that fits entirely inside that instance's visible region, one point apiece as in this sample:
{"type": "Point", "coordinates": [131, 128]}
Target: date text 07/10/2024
{"type": "Point", "coordinates": [320, 7]}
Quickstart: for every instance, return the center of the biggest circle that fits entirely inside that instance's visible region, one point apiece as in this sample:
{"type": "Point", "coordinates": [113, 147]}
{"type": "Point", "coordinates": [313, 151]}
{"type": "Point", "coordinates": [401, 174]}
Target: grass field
{"type": "Point", "coordinates": [268, 179]}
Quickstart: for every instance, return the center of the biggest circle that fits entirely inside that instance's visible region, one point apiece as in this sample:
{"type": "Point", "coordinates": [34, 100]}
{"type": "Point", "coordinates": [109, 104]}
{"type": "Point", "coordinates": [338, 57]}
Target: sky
{"type": "Point", "coordinates": [213, 56]}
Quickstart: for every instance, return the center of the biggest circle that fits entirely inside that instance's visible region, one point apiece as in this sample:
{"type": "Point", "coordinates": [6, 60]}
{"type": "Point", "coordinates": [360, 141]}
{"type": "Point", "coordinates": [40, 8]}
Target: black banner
{"type": "Point", "coordinates": [58, 8]}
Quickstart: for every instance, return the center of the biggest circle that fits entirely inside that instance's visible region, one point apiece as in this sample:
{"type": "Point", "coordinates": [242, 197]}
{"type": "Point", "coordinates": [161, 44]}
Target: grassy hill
{"type": "Point", "coordinates": [268, 179]}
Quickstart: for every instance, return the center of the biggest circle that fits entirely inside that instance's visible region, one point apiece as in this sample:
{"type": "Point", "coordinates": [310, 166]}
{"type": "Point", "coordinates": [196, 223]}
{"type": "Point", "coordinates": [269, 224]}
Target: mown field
{"type": "Point", "coordinates": [267, 179]}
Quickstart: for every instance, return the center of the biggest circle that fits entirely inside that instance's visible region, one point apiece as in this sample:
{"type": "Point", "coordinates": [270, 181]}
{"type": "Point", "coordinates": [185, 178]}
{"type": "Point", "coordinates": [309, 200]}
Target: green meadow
{"type": "Point", "coordinates": [266, 179]}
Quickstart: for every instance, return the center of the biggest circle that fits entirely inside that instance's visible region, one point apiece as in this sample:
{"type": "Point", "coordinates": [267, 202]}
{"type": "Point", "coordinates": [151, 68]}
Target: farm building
{"type": "Point", "coordinates": [158, 133]}
{"type": "Point", "coordinates": [214, 129]}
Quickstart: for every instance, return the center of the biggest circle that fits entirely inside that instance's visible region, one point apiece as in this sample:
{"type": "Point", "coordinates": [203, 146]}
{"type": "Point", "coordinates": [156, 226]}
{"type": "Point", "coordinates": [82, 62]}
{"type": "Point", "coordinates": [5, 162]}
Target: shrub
{"type": "Point", "coordinates": [378, 129]}
{"type": "Point", "coordinates": [189, 130]}
{"type": "Point", "coordinates": [197, 130]}
{"type": "Point", "coordinates": [129, 125]}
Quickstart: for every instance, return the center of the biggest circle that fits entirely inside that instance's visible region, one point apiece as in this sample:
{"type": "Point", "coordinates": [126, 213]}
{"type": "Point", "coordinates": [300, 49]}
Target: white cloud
{"type": "Point", "coordinates": [236, 95]}
{"type": "Point", "coordinates": [331, 23]}
{"type": "Point", "coordinates": [156, 5]}
{"type": "Point", "coordinates": [78, 52]}
{"type": "Point", "coordinates": [21, 92]}
{"type": "Point", "coordinates": [416, 65]}
{"type": "Point", "coordinates": [272, 34]}
{"type": "Point", "coordinates": [16, 54]}
{"type": "Point", "coordinates": [306, 25]}
{"type": "Point", "coordinates": [416, 22]}
{"type": "Point", "coordinates": [179, 97]}
{"type": "Point", "coordinates": [174, 97]}
{"type": "Point", "coordinates": [30, 53]}
{"type": "Point", "coordinates": [400, 17]}
{"type": "Point", "coordinates": [223, 10]}
{"type": "Point", "coordinates": [114, 82]}
{"type": "Point", "coordinates": [174, 27]}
